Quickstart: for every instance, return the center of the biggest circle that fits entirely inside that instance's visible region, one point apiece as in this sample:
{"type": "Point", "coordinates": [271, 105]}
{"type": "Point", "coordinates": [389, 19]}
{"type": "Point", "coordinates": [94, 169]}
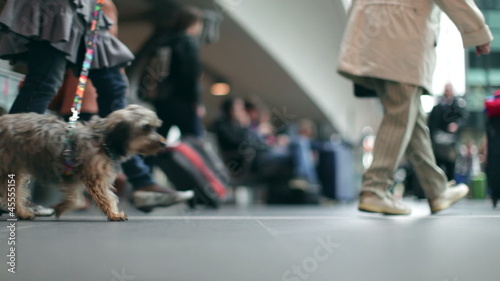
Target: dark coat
{"type": "Point", "coordinates": [493, 154]}
{"type": "Point", "coordinates": [443, 115]}
{"type": "Point", "coordinates": [444, 142]}
{"type": "Point", "coordinates": [183, 81]}
{"type": "Point", "coordinates": [230, 134]}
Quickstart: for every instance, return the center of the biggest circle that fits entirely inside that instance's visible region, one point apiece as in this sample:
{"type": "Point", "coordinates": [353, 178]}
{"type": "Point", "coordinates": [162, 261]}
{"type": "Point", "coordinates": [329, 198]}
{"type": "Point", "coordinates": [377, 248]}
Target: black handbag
{"type": "Point", "coordinates": [444, 145]}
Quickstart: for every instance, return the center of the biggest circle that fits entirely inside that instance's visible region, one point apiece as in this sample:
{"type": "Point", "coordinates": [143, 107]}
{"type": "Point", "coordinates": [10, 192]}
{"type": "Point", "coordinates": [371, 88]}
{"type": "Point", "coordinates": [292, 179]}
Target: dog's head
{"type": "Point", "coordinates": [131, 131]}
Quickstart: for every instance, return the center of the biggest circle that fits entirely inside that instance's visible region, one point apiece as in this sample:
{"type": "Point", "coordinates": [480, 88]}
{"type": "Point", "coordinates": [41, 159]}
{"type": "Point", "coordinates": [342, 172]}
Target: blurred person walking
{"type": "Point", "coordinates": [178, 101]}
{"type": "Point", "coordinates": [389, 48]}
{"type": "Point", "coordinates": [492, 146]}
{"type": "Point", "coordinates": [468, 164]}
{"type": "Point", "coordinates": [445, 122]}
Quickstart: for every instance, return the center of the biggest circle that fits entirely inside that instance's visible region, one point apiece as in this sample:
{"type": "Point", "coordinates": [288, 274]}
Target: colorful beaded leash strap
{"type": "Point", "coordinates": [82, 82]}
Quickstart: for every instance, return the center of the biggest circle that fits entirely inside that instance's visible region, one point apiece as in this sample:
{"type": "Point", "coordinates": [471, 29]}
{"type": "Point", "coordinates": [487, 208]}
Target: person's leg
{"type": "Point", "coordinates": [439, 162]}
{"type": "Point", "coordinates": [111, 87]}
{"type": "Point", "coordinates": [447, 166]}
{"type": "Point", "coordinates": [272, 163]}
{"type": "Point", "coordinates": [138, 173]}
{"type": "Point", "coordinates": [450, 170]}
{"type": "Point", "coordinates": [183, 115]}
{"type": "Point", "coordinates": [421, 156]}
{"type": "Point", "coordinates": [46, 67]}
{"type": "Point", "coordinates": [302, 158]}
{"type": "Point", "coordinates": [163, 110]}
{"type": "Point", "coordinates": [400, 103]}
{"type": "Point", "coordinates": [189, 123]}
{"type": "Point", "coordinates": [433, 180]}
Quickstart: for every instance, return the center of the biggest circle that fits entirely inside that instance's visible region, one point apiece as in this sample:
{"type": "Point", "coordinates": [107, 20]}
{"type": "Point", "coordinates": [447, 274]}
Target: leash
{"type": "Point", "coordinates": [89, 56]}
{"type": "Point", "coordinates": [80, 89]}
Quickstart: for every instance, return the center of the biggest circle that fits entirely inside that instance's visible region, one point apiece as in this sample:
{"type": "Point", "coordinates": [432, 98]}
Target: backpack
{"type": "Point", "coordinates": [151, 86]}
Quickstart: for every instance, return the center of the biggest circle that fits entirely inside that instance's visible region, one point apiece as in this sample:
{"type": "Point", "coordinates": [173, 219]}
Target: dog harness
{"type": "Point", "coordinates": [82, 82]}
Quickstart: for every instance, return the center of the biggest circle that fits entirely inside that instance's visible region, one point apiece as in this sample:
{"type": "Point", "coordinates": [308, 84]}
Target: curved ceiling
{"type": "Point", "coordinates": [284, 52]}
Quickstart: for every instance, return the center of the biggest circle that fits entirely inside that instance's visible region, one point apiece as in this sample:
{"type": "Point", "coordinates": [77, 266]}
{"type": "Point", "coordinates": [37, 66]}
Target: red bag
{"type": "Point", "coordinates": [492, 105]}
{"type": "Point", "coordinates": [187, 170]}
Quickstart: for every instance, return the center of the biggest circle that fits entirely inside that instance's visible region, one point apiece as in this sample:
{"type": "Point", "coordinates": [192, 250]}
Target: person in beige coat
{"type": "Point", "coordinates": [389, 47]}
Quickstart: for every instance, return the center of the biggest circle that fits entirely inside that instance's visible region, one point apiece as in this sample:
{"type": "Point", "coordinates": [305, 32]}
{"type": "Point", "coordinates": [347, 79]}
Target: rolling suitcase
{"type": "Point", "coordinates": [327, 172]}
{"type": "Point", "coordinates": [280, 193]}
{"type": "Point", "coordinates": [336, 172]}
{"type": "Point", "coordinates": [206, 150]}
{"type": "Point", "coordinates": [187, 170]}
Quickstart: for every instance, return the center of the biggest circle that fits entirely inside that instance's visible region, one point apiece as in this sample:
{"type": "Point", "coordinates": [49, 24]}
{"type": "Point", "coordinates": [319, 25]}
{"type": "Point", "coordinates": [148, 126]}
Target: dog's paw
{"type": "Point", "coordinates": [59, 211]}
{"type": "Point", "coordinates": [118, 217]}
{"type": "Point", "coordinates": [25, 215]}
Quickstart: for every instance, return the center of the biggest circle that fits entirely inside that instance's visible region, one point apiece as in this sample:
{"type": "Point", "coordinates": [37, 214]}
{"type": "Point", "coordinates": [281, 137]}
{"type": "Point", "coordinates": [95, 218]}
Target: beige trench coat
{"type": "Point", "coordinates": [395, 39]}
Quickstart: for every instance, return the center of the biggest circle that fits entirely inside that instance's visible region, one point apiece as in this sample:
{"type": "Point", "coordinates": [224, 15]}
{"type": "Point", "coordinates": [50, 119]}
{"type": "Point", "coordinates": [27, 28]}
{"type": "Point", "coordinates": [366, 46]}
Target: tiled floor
{"type": "Point", "coordinates": [260, 244]}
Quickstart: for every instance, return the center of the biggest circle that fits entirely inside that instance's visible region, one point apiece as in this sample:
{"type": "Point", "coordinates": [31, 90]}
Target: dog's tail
{"type": "Point", "coordinates": [2, 111]}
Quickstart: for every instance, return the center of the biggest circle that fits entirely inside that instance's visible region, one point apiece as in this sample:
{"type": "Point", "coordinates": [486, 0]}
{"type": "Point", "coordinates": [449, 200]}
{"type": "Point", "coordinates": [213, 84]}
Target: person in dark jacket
{"type": "Point", "coordinates": [445, 121]}
{"type": "Point", "coordinates": [493, 157]}
{"type": "Point", "coordinates": [239, 145]}
{"type": "Point", "coordinates": [246, 149]}
{"type": "Point", "coordinates": [179, 94]}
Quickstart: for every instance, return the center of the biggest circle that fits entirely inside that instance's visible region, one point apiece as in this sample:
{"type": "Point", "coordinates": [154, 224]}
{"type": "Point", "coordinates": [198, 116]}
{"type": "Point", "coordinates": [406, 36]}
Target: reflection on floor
{"type": "Point", "coordinates": [260, 244]}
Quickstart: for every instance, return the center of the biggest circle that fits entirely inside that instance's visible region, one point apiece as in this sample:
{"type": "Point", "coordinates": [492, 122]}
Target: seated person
{"type": "Point", "coordinates": [250, 144]}
{"type": "Point", "coordinates": [239, 145]}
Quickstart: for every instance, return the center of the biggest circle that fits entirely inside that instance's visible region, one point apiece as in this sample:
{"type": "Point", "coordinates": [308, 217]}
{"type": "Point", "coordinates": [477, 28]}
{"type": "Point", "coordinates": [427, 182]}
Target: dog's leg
{"type": "Point", "coordinates": [23, 211]}
{"type": "Point", "coordinates": [105, 199]}
{"type": "Point", "coordinates": [3, 191]}
{"type": "Point", "coordinates": [71, 193]}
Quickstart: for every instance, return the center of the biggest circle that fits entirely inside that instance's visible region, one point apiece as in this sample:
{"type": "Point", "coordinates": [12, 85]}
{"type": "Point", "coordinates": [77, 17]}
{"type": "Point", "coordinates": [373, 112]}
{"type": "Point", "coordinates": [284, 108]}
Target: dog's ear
{"type": "Point", "coordinates": [118, 137]}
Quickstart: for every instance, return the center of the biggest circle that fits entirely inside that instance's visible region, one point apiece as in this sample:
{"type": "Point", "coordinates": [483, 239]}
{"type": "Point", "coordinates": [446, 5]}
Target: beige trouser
{"type": "Point", "coordinates": [403, 131]}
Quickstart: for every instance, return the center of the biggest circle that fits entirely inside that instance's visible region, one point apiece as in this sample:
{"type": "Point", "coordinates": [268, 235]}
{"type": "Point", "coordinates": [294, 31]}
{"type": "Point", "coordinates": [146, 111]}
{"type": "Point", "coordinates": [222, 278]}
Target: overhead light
{"type": "Point", "coordinates": [220, 89]}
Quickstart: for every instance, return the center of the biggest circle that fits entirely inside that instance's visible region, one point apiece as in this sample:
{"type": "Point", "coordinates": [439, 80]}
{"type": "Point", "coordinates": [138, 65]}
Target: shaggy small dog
{"type": "Point", "coordinates": [39, 146]}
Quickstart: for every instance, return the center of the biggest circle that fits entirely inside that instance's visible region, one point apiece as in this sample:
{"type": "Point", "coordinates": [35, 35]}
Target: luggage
{"type": "Point", "coordinates": [492, 105]}
{"type": "Point", "coordinates": [279, 192]}
{"type": "Point", "coordinates": [278, 170]}
{"type": "Point", "coordinates": [327, 167]}
{"type": "Point", "coordinates": [493, 158]}
{"type": "Point", "coordinates": [188, 169]}
{"type": "Point", "coordinates": [478, 186]}
{"type": "Point", "coordinates": [210, 156]}
{"type": "Point", "coordinates": [336, 172]}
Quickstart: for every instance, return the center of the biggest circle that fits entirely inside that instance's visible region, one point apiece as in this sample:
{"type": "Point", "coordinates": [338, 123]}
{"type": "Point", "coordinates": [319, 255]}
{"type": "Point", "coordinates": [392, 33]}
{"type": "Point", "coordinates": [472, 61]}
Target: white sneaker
{"type": "Point", "coordinates": [380, 202]}
{"type": "Point", "coordinates": [147, 200]}
{"type": "Point", "coordinates": [39, 210]}
{"type": "Point", "coordinates": [452, 194]}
